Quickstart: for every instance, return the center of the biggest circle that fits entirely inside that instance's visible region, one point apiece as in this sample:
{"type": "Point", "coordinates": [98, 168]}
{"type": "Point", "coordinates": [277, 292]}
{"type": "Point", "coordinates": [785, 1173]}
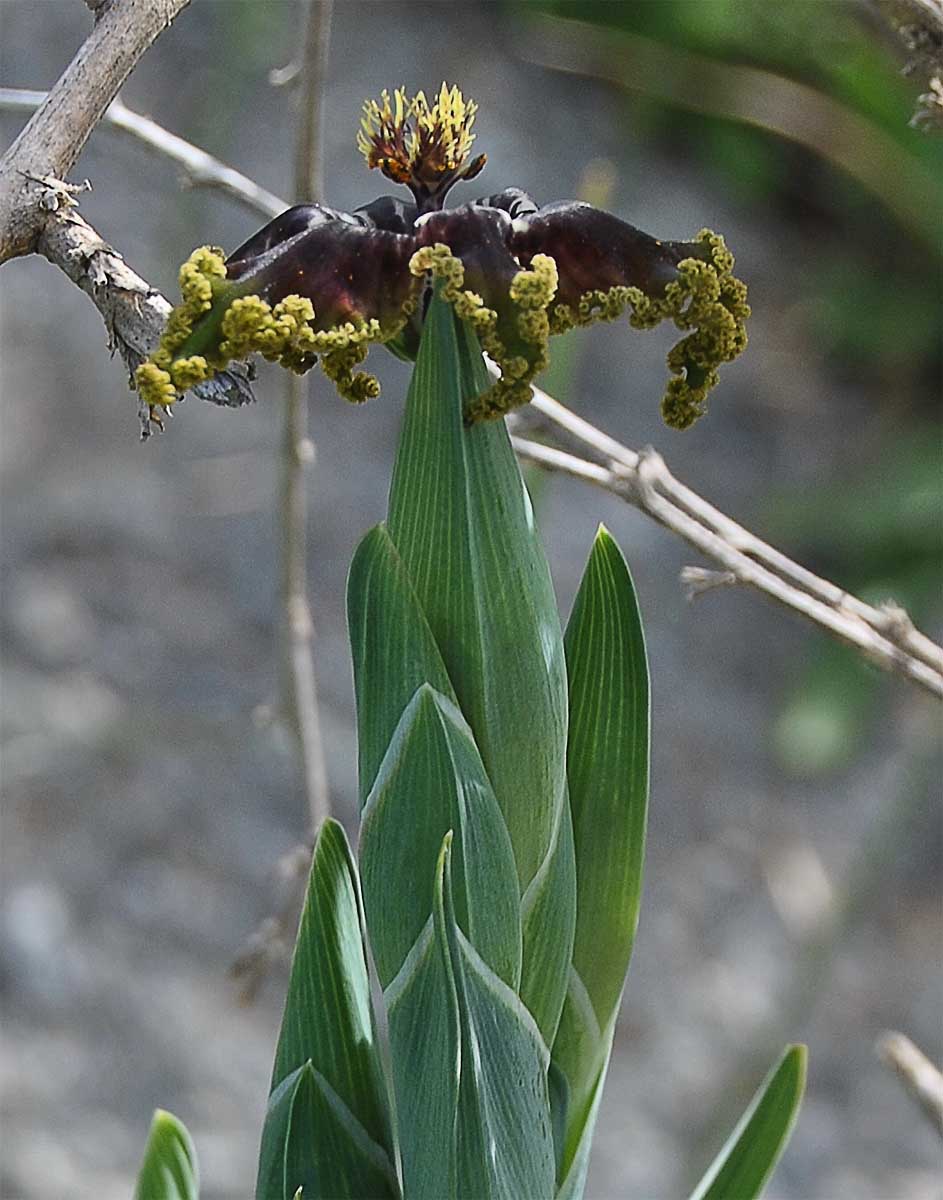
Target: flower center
{"type": "Point", "coordinates": [424, 146]}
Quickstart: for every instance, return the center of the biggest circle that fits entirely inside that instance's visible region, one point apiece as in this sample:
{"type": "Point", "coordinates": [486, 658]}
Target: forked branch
{"type": "Point", "coordinates": [885, 634]}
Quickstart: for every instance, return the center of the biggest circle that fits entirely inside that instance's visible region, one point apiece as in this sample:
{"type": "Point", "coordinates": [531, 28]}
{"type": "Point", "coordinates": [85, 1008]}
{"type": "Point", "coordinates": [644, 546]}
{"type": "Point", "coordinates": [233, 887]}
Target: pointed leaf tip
{"type": "Point", "coordinates": [742, 1168]}
{"type": "Point", "coordinates": [431, 781]}
{"type": "Point", "coordinates": [607, 772]}
{"type": "Point", "coordinates": [328, 1124]}
{"type": "Point", "coordinates": [480, 1123]}
{"type": "Point", "coordinates": [169, 1170]}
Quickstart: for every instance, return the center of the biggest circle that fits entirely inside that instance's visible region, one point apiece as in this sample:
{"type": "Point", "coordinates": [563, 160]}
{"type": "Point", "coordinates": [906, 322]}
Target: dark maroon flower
{"type": "Point", "coordinates": [318, 285]}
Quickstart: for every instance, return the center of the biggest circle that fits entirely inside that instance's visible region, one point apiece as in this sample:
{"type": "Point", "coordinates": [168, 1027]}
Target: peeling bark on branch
{"type": "Point", "coordinates": [134, 313]}
{"type": "Point", "coordinates": [54, 136]}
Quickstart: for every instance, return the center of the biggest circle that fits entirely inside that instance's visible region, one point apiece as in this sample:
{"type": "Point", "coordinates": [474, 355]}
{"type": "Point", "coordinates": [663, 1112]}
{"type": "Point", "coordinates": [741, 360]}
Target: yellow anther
{"type": "Point", "coordinates": [188, 372]}
{"type": "Point", "coordinates": [155, 386]}
{"type": "Point", "coordinates": [409, 138]}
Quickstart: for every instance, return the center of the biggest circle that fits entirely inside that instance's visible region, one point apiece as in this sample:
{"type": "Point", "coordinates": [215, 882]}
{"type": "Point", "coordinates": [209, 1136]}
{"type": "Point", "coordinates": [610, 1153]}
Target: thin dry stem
{"type": "Point", "coordinates": [309, 152]}
{"type": "Point", "coordinates": [299, 690]}
{"type": "Point", "coordinates": [885, 635]}
{"type": "Point", "coordinates": [921, 1078]}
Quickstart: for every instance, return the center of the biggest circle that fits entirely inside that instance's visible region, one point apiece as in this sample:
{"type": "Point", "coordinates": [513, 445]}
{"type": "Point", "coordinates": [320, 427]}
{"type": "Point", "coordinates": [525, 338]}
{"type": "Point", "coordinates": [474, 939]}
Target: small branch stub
{"type": "Point", "coordinates": [698, 580]}
{"type": "Point", "coordinates": [922, 1078]}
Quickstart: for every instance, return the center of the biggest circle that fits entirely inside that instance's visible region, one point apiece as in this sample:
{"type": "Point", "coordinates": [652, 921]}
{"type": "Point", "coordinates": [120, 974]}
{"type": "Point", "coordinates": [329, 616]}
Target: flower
{"type": "Point", "coordinates": [320, 286]}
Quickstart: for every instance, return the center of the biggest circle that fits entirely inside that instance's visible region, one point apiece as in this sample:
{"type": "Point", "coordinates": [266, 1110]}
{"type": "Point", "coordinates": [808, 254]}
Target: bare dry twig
{"type": "Point", "coordinates": [884, 634]}
{"type": "Point", "coordinates": [53, 138]}
{"type": "Point", "coordinates": [198, 169]}
{"type": "Point", "coordinates": [134, 313]}
{"type": "Point", "coordinates": [299, 684]}
{"type": "Point", "coordinates": [922, 1078]}
{"type": "Point", "coordinates": [271, 940]}
{"type": "Point", "coordinates": [37, 208]}
{"type": "Point", "coordinates": [919, 25]}
{"type": "Point", "coordinates": [641, 478]}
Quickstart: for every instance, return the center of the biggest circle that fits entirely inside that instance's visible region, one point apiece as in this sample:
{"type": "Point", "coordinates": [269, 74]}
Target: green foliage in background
{"type": "Point", "coordinates": [874, 269]}
{"type": "Point", "coordinates": [504, 789]}
{"type": "Point", "coordinates": [878, 530]}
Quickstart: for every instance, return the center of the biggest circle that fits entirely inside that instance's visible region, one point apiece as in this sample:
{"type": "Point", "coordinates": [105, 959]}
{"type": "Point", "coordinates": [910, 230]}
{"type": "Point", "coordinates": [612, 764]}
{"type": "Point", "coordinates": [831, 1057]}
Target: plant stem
{"type": "Point", "coordinates": [299, 686]}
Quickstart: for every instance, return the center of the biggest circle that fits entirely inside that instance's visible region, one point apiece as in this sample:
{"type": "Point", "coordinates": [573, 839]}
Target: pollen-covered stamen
{"type": "Point", "coordinates": [424, 146]}
{"type": "Point", "coordinates": [607, 268]}
{"type": "Point", "coordinates": [326, 292]}
{"type": "Point", "coordinates": [384, 135]}
{"type": "Point", "coordinates": [505, 303]}
{"type": "Point", "coordinates": [442, 139]}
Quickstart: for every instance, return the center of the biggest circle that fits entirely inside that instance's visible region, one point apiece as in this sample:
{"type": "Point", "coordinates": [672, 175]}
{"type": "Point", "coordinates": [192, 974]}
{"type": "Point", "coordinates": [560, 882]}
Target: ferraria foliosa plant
{"type": "Point", "coordinates": [503, 765]}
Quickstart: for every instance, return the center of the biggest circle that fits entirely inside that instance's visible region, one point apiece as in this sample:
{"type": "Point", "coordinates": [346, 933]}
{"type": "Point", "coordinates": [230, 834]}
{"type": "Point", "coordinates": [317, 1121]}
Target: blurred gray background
{"type": "Point", "coordinates": [795, 842]}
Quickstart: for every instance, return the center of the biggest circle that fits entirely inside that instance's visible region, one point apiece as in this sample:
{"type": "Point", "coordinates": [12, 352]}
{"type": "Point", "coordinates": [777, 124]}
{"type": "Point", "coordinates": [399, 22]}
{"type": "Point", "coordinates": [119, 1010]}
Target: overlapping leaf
{"type": "Point", "coordinates": [392, 647]}
{"type": "Point", "coordinates": [572, 1180]}
{"type": "Point", "coordinates": [312, 1141]}
{"type": "Point", "coordinates": [169, 1170]}
{"type": "Point", "coordinates": [430, 782]}
{"type": "Point", "coordinates": [461, 520]}
{"type": "Point", "coordinates": [329, 1128]}
{"type": "Point", "coordinates": [470, 1068]}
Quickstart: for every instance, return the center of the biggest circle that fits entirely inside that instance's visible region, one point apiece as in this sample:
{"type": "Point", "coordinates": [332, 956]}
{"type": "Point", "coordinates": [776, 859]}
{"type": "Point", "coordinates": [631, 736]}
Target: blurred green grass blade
{"type": "Point", "coordinates": [328, 1017]}
{"type": "Point", "coordinates": [313, 1142]}
{"type": "Point", "coordinates": [169, 1170]}
{"type": "Point", "coordinates": [392, 647]}
{"type": "Point", "coordinates": [607, 770]}
{"type": "Point", "coordinates": [462, 522]}
{"type": "Point", "coordinates": [741, 1169]}
{"type": "Point", "coordinates": [431, 781]}
{"type": "Point", "coordinates": [478, 1127]}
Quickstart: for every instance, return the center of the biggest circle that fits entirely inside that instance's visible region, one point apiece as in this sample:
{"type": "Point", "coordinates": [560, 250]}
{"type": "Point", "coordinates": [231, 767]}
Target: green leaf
{"type": "Point", "coordinates": [547, 913]}
{"type": "Point", "coordinates": [462, 521]}
{"type": "Point", "coordinates": [741, 1169]}
{"type": "Point", "coordinates": [314, 1143]}
{"type": "Point", "coordinates": [169, 1170]}
{"type": "Point", "coordinates": [392, 647]}
{"type": "Point", "coordinates": [573, 1181]}
{"type": "Point", "coordinates": [430, 782]}
{"type": "Point", "coordinates": [328, 1027]}
{"type": "Point", "coordinates": [580, 1054]}
{"type": "Point", "coordinates": [476, 1125]}
{"type": "Point", "coordinates": [607, 769]}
